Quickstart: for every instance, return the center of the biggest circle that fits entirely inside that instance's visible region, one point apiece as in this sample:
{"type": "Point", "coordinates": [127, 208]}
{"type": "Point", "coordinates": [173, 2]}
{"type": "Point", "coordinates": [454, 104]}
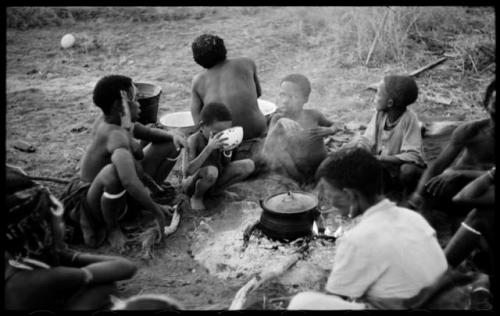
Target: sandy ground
{"type": "Point", "coordinates": [49, 105]}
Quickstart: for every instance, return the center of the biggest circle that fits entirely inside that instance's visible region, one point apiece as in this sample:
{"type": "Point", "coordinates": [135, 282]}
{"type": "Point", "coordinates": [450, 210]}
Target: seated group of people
{"type": "Point", "coordinates": [393, 252]}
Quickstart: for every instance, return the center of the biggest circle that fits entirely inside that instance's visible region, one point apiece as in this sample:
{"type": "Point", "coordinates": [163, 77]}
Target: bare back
{"type": "Point", "coordinates": [235, 84]}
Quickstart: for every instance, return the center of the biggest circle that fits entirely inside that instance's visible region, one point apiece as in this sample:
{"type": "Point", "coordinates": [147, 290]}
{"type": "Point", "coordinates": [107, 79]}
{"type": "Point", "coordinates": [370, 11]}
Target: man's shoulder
{"type": "Point", "coordinates": [242, 60]}
{"type": "Point", "coordinates": [199, 77]}
{"type": "Point", "coordinates": [469, 129]}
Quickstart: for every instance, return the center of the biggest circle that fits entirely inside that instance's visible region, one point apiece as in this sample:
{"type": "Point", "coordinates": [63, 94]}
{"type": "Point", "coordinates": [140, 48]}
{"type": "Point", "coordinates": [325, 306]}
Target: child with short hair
{"type": "Point", "coordinates": [232, 82]}
{"type": "Point", "coordinates": [394, 134]}
{"type": "Point", "coordinates": [208, 166]}
{"type": "Point", "coordinates": [294, 144]}
{"type": "Point", "coordinates": [115, 165]}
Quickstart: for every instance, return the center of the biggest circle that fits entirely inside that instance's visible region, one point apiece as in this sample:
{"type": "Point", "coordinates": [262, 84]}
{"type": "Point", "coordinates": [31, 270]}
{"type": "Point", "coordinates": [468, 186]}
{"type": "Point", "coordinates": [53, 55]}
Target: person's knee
{"type": "Point", "coordinates": [409, 173]}
{"type": "Point", "coordinates": [479, 220]}
{"type": "Point", "coordinates": [209, 174]}
{"type": "Point", "coordinates": [247, 167]}
{"type": "Point", "coordinates": [110, 179]}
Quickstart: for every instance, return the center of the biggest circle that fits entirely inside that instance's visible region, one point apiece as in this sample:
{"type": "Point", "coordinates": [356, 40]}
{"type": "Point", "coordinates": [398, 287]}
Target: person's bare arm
{"type": "Point", "coordinates": [196, 161]}
{"type": "Point", "coordinates": [196, 101]}
{"type": "Point", "coordinates": [157, 135]}
{"type": "Point", "coordinates": [123, 160]}
{"type": "Point", "coordinates": [325, 126]}
{"type": "Point", "coordinates": [479, 193]}
{"type": "Point", "coordinates": [256, 80]}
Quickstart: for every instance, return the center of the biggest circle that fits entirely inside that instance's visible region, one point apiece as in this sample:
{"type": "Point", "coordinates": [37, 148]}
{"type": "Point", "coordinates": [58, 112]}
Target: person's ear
{"type": "Point", "coordinates": [351, 195]}
{"type": "Point", "coordinates": [390, 102]}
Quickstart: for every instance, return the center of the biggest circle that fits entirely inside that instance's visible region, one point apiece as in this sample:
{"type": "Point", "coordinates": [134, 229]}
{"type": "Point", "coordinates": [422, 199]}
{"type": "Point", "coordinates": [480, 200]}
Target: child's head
{"type": "Point", "coordinates": [490, 100]}
{"type": "Point", "coordinates": [396, 92]}
{"type": "Point", "coordinates": [214, 117]}
{"type": "Point", "coordinates": [208, 50]}
{"type": "Point", "coordinates": [294, 92]}
{"type": "Point", "coordinates": [107, 95]}
{"type": "Point", "coordinates": [146, 302]}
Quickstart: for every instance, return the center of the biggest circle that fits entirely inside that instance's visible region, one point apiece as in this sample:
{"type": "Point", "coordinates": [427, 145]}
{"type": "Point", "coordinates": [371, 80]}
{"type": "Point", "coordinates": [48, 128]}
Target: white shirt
{"type": "Point", "coordinates": [391, 253]}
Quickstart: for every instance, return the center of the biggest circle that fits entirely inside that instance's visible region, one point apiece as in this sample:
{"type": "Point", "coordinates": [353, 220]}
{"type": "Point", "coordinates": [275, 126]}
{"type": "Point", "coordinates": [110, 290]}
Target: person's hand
{"type": "Point", "coordinates": [415, 201]}
{"type": "Point", "coordinates": [216, 141]}
{"type": "Point", "coordinates": [318, 133]}
{"type": "Point", "coordinates": [289, 126]}
{"type": "Point", "coordinates": [179, 141]}
{"type": "Point", "coordinates": [436, 185]}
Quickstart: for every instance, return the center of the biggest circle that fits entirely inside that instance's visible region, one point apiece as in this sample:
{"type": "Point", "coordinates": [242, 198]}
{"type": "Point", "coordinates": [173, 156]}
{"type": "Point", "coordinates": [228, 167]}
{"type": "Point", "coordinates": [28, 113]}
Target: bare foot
{"type": "Point", "coordinates": [117, 239]}
{"type": "Point", "coordinates": [197, 204]}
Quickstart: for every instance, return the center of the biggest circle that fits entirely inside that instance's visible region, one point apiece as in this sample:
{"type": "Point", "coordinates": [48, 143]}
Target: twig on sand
{"type": "Point", "coordinates": [56, 180]}
{"type": "Point", "coordinates": [266, 275]}
{"type": "Point", "coordinates": [270, 273]}
{"type": "Point", "coordinates": [414, 73]}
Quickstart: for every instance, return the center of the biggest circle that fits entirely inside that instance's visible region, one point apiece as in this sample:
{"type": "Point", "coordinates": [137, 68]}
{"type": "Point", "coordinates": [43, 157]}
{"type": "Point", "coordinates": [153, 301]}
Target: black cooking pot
{"type": "Point", "coordinates": [288, 215]}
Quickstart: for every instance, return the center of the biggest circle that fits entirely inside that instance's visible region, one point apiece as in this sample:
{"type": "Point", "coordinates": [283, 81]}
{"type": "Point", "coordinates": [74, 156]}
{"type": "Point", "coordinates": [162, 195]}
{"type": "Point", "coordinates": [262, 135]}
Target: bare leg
{"type": "Point", "coordinates": [409, 175]}
{"type": "Point", "coordinates": [156, 161]}
{"type": "Point", "coordinates": [204, 180]}
{"type": "Point", "coordinates": [92, 297]}
{"type": "Point", "coordinates": [107, 203]}
{"type": "Point", "coordinates": [235, 172]}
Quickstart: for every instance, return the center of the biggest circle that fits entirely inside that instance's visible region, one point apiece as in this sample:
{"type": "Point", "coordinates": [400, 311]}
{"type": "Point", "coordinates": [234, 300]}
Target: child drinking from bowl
{"type": "Point", "coordinates": [394, 135]}
{"type": "Point", "coordinates": [294, 144]}
{"type": "Point", "coordinates": [234, 83]}
{"type": "Point", "coordinates": [209, 167]}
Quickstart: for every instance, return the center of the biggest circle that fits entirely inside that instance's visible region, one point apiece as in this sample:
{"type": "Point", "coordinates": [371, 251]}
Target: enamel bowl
{"type": "Point", "coordinates": [266, 107]}
{"type": "Point", "coordinates": [234, 137]}
{"type": "Point", "coordinates": [182, 121]}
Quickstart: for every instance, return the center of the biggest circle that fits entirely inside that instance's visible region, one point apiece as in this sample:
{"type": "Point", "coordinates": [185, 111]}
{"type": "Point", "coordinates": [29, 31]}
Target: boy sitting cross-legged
{"type": "Point", "coordinates": [394, 135]}
{"type": "Point", "coordinates": [208, 166]}
{"type": "Point", "coordinates": [115, 168]}
{"type": "Point", "coordinates": [294, 144]}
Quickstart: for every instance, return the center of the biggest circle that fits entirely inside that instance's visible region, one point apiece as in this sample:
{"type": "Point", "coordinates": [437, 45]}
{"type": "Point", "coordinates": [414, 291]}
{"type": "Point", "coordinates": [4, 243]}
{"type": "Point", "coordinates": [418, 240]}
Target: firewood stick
{"type": "Point", "coordinates": [56, 180]}
{"type": "Point", "coordinates": [414, 73]}
{"type": "Point", "coordinates": [242, 295]}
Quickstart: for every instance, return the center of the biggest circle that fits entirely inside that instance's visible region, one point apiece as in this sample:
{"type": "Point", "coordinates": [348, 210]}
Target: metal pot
{"type": "Point", "coordinates": [288, 215]}
{"type": "Point", "coordinates": [148, 96]}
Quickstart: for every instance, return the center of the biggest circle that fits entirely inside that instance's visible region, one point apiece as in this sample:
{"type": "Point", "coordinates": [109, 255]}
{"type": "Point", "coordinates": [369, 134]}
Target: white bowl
{"type": "Point", "coordinates": [177, 119]}
{"type": "Point", "coordinates": [234, 137]}
{"type": "Point", "coordinates": [266, 107]}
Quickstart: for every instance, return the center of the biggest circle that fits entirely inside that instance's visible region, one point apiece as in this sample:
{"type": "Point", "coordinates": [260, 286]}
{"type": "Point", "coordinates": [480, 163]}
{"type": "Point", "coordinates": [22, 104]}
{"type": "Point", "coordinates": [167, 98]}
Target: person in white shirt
{"type": "Point", "coordinates": [388, 257]}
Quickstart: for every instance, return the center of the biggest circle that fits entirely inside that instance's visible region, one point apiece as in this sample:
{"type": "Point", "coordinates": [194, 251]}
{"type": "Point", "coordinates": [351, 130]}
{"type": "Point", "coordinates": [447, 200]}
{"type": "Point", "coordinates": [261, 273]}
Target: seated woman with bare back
{"type": "Point", "coordinates": [232, 82]}
{"type": "Point", "coordinates": [294, 144]}
{"type": "Point", "coordinates": [115, 166]}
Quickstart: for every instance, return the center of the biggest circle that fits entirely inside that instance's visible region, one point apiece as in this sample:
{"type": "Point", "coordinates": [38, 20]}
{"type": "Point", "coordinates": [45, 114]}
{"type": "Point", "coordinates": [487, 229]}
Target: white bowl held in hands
{"type": "Point", "coordinates": [266, 107]}
{"type": "Point", "coordinates": [177, 119]}
{"type": "Point", "coordinates": [234, 137]}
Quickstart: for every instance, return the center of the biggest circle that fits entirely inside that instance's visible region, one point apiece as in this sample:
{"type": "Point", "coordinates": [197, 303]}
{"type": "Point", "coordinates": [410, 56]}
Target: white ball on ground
{"type": "Point", "coordinates": [67, 41]}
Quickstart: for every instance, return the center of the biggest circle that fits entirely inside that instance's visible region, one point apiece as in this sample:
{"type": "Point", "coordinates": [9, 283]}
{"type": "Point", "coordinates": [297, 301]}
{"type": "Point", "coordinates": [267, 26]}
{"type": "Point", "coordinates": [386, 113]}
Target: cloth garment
{"type": "Point", "coordinates": [404, 140]}
{"type": "Point", "coordinates": [391, 253]}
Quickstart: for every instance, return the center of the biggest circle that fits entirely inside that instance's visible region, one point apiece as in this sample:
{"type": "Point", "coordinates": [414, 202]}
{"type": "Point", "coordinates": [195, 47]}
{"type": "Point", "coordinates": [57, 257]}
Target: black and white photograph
{"type": "Point", "coordinates": [238, 158]}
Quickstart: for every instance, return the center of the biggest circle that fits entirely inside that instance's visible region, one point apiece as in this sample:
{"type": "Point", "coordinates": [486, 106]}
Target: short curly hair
{"type": "Point", "coordinates": [402, 90]}
{"type": "Point", "coordinates": [300, 80]}
{"type": "Point", "coordinates": [107, 91]}
{"type": "Point", "coordinates": [208, 50]}
{"type": "Point", "coordinates": [353, 168]}
{"type": "Point", "coordinates": [489, 92]}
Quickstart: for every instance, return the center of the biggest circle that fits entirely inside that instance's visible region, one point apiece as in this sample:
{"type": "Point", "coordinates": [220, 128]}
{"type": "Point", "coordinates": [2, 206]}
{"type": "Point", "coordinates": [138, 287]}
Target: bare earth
{"type": "Point", "coordinates": [49, 105]}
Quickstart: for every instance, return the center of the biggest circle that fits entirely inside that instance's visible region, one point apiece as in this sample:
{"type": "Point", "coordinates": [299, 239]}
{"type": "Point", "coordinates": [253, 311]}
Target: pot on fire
{"type": "Point", "coordinates": [289, 215]}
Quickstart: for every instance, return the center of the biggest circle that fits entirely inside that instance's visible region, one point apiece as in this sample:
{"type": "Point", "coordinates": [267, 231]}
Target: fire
{"type": "Point", "coordinates": [315, 228]}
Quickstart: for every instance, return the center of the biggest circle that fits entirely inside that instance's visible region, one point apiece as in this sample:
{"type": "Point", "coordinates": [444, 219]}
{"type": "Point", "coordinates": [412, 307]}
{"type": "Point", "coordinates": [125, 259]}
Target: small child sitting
{"type": "Point", "coordinates": [208, 165]}
{"type": "Point", "coordinates": [294, 144]}
{"type": "Point", "coordinates": [394, 135]}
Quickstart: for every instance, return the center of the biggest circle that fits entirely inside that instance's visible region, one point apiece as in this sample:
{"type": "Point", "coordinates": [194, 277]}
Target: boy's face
{"type": "Point", "coordinates": [214, 128]}
{"type": "Point", "coordinates": [134, 106]}
{"type": "Point", "coordinates": [382, 98]}
{"type": "Point", "coordinates": [291, 99]}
